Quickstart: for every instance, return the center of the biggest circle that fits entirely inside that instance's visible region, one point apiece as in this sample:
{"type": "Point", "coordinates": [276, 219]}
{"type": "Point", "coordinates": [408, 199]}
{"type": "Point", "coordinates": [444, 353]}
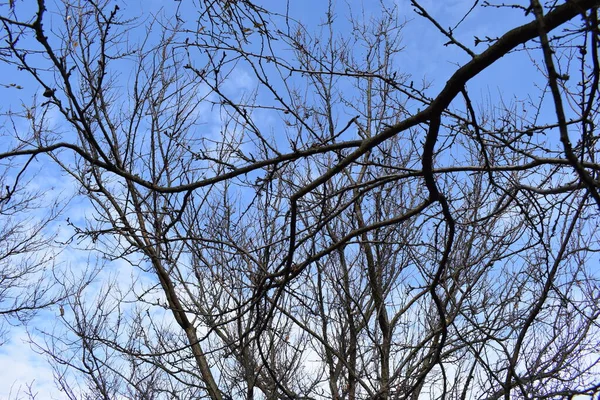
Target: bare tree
{"type": "Point", "coordinates": [27, 257]}
{"type": "Point", "coordinates": [306, 220]}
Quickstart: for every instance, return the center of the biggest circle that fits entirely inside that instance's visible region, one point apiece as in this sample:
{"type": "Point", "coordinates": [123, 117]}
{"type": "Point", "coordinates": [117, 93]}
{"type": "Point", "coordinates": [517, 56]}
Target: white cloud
{"type": "Point", "coordinates": [23, 368]}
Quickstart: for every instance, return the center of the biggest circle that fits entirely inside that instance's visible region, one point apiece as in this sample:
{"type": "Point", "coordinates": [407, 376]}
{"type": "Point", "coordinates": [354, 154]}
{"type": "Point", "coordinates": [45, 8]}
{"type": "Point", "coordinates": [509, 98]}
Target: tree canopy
{"type": "Point", "coordinates": [263, 201]}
